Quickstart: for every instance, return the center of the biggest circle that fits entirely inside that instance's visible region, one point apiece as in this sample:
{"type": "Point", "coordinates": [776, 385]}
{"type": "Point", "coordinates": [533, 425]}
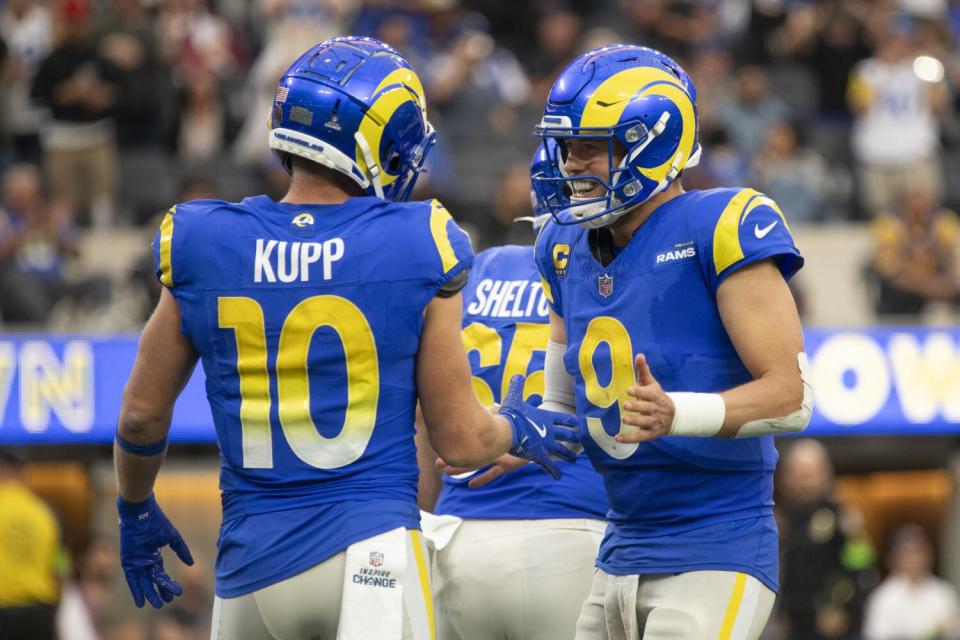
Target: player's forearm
{"type": "Point", "coordinates": [138, 452]}
{"type": "Point", "coordinates": [767, 397]}
{"type": "Point", "coordinates": [778, 401]}
{"type": "Point", "coordinates": [475, 438]}
{"type": "Point", "coordinates": [429, 483]}
{"type": "Point", "coordinates": [136, 475]}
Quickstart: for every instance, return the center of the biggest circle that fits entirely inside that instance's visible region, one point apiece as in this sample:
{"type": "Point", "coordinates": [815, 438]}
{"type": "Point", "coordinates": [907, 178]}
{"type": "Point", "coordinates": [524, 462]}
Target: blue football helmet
{"type": "Point", "coordinates": [356, 106]}
{"type": "Point", "coordinates": [626, 94]}
{"type": "Point", "coordinates": [540, 166]}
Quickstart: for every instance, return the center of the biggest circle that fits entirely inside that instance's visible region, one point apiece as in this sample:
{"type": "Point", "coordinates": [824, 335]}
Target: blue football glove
{"type": "Point", "coordinates": [538, 434]}
{"type": "Point", "coordinates": [144, 530]}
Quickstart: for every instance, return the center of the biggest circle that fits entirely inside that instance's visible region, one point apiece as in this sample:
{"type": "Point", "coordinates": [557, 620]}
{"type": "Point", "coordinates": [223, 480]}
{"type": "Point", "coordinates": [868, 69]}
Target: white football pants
{"type": "Point", "coordinates": [515, 579]}
{"type": "Point", "coordinates": [697, 605]}
{"type": "Point", "coordinates": [307, 605]}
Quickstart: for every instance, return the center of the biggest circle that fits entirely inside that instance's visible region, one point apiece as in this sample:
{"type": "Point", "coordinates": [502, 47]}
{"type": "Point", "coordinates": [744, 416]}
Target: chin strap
{"type": "Point", "coordinates": [372, 169]}
{"type": "Point", "coordinates": [536, 221]}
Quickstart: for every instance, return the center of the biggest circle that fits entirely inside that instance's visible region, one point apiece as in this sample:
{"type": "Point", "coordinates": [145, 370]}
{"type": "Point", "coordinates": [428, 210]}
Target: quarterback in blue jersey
{"type": "Point", "coordinates": [675, 338]}
{"type": "Point", "coordinates": [320, 320]}
{"type": "Point", "coordinates": [495, 569]}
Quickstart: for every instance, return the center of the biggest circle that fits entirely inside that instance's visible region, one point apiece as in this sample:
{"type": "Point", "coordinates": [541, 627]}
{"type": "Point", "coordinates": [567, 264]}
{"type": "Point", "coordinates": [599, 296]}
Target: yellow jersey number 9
{"type": "Point", "coordinates": [604, 329]}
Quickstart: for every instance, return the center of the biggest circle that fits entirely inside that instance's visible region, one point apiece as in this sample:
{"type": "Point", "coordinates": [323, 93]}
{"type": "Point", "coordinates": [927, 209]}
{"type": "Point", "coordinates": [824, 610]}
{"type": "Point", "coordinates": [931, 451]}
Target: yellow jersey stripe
{"type": "Point", "coordinates": [733, 607]}
{"type": "Point", "coordinates": [726, 235]}
{"type": "Point", "coordinates": [166, 248]}
{"type": "Point", "coordinates": [424, 580]}
{"type": "Point", "coordinates": [439, 216]}
{"type": "Point", "coordinates": [547, 291]}
{"type": "Point", "coordinates": [762, 199]}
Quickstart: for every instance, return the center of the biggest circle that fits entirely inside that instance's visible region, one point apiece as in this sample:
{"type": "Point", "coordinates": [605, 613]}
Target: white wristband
{"type": "Point", "coordinates": [697, 414]}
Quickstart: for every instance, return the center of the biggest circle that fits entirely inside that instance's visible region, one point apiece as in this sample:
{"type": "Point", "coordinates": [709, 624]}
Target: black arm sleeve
{"type": "Point", "coordinates": [453, 286]}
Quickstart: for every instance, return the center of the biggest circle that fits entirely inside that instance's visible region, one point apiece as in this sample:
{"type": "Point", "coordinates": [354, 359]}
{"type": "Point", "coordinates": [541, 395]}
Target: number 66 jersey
{"type": "Point", "coordinates": [677, 504]}
{"type": "Point", "coordinates": [307, 319]}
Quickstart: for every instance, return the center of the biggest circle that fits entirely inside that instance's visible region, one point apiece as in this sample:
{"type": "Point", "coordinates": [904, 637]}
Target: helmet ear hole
{"type": "Point", "coordinates": [393, 165]}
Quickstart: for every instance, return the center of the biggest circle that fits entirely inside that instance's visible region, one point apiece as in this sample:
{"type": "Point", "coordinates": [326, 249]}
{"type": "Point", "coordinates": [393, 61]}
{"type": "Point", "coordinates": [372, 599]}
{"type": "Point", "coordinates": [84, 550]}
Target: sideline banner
{"type": "Point", "coordinates": [892, 381]}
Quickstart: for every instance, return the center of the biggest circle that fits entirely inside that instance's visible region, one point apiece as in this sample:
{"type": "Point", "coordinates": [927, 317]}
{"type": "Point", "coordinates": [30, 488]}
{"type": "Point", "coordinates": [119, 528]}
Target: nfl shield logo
{"type": "Point", "coordinates": [606, 285]}
{"type": "Point", "coordinates": [376, 558]}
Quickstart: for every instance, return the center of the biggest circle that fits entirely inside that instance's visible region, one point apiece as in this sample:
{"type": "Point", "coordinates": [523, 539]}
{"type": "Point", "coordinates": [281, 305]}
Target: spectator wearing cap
{"type": "Point", "coordinates": [912, 603]}
{"type": "Point", "coordinates": [898, 99]}
{"type": "Point", "coordinates": [81, 90]}
{"type": "Point", "coordinates": [31, 557]}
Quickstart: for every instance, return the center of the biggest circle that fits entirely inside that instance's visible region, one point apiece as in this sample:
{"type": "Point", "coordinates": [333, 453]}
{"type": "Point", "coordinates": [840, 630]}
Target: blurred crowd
{"type": "Point", "coordinates": [56, 586]}
{"type": "Point", "coordinates": [838, 109]}
{"type": "Point", "coordinates": [830, 571]}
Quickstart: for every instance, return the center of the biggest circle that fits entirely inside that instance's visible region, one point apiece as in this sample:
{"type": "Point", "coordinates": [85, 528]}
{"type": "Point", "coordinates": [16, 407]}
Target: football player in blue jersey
{"type": "Point", "coordinates": [513, 559]}
{"type": "Point", "coordinates": [320, 320]}
{"type": "Point", "coordinates": [674, 336]}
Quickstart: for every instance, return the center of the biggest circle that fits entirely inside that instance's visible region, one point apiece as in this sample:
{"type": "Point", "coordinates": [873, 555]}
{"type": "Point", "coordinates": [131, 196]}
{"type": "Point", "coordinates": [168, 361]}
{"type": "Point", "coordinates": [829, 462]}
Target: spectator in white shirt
{"type": "Point", "coordinates": [912, 602]}
{"type": "Point", "coordinates": [898, 99]}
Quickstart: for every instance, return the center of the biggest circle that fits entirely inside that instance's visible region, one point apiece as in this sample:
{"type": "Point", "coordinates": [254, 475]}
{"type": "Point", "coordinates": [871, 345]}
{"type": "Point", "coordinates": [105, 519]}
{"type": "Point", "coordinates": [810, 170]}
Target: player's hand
{"type": "Point", "coordinates": [649, 409]}
{"type": "Point", "coordinates": [144, 530]}
{"type": "Point", "coordinates": [538, 435]}
{"type": "Point", "coordinates": [504, 464]}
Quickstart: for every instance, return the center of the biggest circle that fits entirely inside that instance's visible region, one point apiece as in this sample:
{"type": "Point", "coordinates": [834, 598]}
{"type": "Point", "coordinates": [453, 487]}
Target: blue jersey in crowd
{"type": "Point", "coordinates": [676, 503]}
{"type": "Point", "coordinates": [307, 320]}
{"type": "Point", "coordinates": [505, 332]}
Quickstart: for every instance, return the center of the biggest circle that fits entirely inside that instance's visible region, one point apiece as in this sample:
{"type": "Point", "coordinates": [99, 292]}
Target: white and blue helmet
{"type": "Point", "coordinates": [628, 94]}
{"type": "Point", "coordinates": [356, 106]}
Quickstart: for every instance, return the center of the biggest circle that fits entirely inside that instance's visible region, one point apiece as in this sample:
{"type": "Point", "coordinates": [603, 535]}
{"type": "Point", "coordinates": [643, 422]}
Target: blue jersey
{"type": "Point", "coordinates": [307, 320]}
{"type": "Point", "coordinates": [505, 333]}
{"type": "Point", "coordinates": [676, 503]}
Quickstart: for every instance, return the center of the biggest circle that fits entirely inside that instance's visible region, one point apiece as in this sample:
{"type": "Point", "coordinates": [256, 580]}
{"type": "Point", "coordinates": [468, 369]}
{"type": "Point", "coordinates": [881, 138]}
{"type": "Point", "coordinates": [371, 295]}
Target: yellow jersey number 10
{"type": "Point", "coordinates": [245, 317]}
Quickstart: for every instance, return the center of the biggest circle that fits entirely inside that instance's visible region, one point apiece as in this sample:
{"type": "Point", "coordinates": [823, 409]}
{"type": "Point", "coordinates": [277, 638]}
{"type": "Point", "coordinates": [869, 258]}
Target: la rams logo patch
{"type": "Point", "coordinates": [302, 225]}
{"type": "Point", "coordinates": [561, 258]}
{"type": "Point", "coordinates": [303, 220]}
{"type": "Point", "coordinates": [605, 285]}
